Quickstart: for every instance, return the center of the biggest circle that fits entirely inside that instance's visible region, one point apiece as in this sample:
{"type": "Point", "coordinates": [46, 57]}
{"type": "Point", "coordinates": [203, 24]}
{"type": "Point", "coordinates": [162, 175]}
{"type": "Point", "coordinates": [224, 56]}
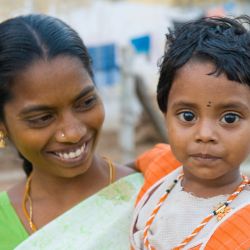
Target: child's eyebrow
{"type": "Point", "coordinates": [179, 104]}
{"type": "Point", "coordinates": [231, 105]}
{"type": "Point", "coordinates": [235, 105]}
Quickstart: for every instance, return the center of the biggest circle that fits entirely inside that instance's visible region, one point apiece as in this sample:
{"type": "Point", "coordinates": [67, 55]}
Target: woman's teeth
{"type": "Point", "coordinates": [72, 154]}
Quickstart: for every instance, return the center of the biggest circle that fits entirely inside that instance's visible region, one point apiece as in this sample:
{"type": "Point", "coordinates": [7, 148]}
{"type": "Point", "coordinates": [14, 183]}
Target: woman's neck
{"type": "Point", "coordinates": [72, 189]}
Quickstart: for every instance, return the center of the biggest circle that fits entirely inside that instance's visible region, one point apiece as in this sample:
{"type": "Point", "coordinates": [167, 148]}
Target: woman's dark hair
{"type": "Point", "coordinates": [26, 39]}
{"type": "Point", "coordinates": [225, 42]}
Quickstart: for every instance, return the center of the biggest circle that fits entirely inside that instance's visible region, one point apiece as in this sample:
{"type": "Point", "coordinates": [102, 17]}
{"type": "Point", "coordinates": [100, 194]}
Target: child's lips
{"type": "Point", "coordinates": [205, 158]}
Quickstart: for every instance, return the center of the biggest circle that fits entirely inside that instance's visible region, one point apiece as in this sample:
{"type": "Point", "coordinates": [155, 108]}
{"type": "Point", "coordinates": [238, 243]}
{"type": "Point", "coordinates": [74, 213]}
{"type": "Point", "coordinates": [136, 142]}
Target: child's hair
{"type": "Point", "coordinates": [223, 41]}
{"type": "Point", "coordinates": [26, 39]}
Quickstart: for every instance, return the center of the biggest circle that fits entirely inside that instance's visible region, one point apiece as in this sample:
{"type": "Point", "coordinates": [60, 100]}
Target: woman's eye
{"type": "Point", "coordinates": [86, 103]}
{"type": "Point", "coordinates": [187, 116]}
{"type": "Point", "coordinates": [230, 118]}
{"type": "Point", "coordinates": [40, 121]}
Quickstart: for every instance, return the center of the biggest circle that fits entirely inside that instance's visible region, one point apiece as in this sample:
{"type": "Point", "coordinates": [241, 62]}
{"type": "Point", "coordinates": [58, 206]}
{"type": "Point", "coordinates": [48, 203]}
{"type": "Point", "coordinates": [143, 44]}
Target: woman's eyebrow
{"type": "Point", "coordinates": [85, 92]}
{"type": "Point", "coordinates": [37, 108]}
{"type": "Point", "coordinates": [34, 108]}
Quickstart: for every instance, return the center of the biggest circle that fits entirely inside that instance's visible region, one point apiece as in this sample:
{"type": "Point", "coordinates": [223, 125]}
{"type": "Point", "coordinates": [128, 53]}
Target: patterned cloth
{"type": "Point", "coordinates": [100, 222]}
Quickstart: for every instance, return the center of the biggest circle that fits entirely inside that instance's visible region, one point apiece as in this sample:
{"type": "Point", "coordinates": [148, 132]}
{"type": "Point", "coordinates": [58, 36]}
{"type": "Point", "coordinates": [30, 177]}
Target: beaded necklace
{"type": "Point", "coordinates": [220, 211]}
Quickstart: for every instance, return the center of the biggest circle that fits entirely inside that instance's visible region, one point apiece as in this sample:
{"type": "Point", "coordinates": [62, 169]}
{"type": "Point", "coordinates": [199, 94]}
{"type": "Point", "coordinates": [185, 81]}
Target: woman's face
{"type": "Point", "coordinates": [55, 116]}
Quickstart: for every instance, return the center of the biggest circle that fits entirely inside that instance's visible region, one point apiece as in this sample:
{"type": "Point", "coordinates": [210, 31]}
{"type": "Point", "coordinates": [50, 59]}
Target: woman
{"type": "Point", "coordinates": [51, 112]}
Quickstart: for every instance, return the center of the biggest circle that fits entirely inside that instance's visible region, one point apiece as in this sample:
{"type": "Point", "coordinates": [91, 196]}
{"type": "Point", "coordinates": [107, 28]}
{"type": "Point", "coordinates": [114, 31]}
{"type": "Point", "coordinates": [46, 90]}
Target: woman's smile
{"type": "Point", "coordinates": [71, 157]}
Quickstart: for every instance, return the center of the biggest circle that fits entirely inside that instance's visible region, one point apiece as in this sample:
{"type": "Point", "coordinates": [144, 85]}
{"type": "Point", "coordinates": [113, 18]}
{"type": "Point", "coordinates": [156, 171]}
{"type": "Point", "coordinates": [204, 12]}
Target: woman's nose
{"type": "Point", "coordinates": [206, 132]}
{"type": "Point", "coordinates": [71, 131]}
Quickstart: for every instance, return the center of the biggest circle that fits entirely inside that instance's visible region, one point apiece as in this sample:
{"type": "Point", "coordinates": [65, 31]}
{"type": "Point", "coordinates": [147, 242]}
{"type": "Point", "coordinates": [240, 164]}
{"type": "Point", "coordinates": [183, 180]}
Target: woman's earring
{"type": "Point", "coordinates": [2, 140]}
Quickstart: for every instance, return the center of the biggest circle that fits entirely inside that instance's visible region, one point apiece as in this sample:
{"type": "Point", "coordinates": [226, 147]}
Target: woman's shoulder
{"type": "Point", "coordinates": [15, 193]}
{"type": "Point", "coordinates": [9, 199]}
{"type": "Point", "coordinates": [4, 199]}
{"type": "Point", "coordinates": [12, 231]}
{"type": "Point", "coordinates": [122, 171]}
{"type": "Point", "coordinates": [6, 208]}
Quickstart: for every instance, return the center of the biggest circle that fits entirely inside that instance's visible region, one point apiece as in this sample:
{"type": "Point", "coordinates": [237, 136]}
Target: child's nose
{"type": "Point", "coordinates": [206, 132]}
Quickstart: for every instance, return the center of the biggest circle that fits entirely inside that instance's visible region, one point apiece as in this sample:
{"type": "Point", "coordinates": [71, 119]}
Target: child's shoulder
{"type": "Point", "coordinates": [160, 157]}
{"type": "Point", "coordinates": [155, 164]}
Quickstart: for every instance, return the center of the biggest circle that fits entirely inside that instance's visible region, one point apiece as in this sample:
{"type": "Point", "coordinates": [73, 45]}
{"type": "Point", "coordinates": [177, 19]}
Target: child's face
{"type": "Point", "coordinates": [55, 116]}
{"type": "Point", "coordinates": [208, 122]}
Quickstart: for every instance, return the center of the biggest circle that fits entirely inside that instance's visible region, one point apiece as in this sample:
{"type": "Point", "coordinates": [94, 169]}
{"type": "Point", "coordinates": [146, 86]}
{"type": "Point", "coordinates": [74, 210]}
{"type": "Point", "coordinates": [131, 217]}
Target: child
{"type": "Point", "coordinates": [204, 93]}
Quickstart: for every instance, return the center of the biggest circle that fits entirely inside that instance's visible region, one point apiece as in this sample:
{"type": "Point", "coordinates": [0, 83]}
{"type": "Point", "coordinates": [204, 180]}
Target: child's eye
{"type": "Point", "coordinates": [187, 116]}
{"type": "Point", "coordinates": [230, 118]}
{"type": "Point", "coordinates": [86, 103]}
{"type": "Point", "coordinates": [40, 121]}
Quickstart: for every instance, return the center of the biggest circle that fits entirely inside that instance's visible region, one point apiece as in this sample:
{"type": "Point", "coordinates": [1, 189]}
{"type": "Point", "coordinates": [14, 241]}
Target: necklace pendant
{"type": "Point", "coordinates": [221, 211]}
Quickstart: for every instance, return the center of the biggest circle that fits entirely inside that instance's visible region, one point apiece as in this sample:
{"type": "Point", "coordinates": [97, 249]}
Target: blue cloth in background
{"type": "Point", "coordinates": [141, 44]}
{"type": "Point", "coordinates": [105, 65]}
{"type": "Point", "coordinates": [104, 57]}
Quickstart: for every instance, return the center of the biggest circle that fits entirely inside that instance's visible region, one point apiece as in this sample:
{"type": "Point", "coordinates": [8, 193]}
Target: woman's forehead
{"type": "Point", "coordinates": [45, 79]}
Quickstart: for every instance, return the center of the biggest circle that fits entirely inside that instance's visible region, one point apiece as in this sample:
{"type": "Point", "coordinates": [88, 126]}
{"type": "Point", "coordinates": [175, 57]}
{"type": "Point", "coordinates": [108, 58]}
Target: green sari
{"type": "Point", "coordinates": [100, 222]}
{"type": "Point", "coordinates": [12, 231]}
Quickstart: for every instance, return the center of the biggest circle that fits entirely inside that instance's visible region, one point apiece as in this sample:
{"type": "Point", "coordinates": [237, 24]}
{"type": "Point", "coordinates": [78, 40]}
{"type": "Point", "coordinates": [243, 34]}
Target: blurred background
{"type": "Point", "coordinates": [126, 41]}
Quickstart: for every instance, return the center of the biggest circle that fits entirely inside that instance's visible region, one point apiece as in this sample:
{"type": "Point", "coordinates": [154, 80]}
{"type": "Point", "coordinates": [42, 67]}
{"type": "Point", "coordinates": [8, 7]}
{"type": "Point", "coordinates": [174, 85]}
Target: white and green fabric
{"type": "Point", "coordinates": [100, 222]}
